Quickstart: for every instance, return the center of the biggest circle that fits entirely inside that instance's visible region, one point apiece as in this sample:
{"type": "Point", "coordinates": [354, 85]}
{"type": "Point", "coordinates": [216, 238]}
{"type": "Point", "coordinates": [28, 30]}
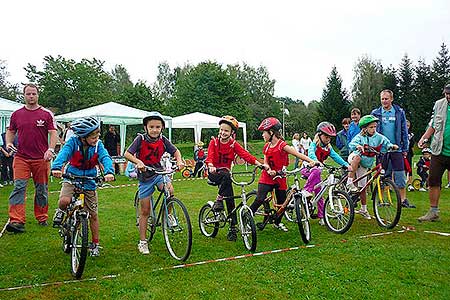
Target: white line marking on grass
{"type": "Point", "coordinates": [438, 233]}
{"type": "Point", "coordinates": [4, 228]}
{"type": "Point", "coordinates": [232, 258]}
{"type": "Point", "coordinates": [57, 283]}
{"type": "Point", "coordinates": [404, 229]}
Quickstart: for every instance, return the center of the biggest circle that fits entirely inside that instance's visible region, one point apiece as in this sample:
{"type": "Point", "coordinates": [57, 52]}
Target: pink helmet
{"type": "Point", "coordinates": [326, 128]}
{"type": "Point", "coordinates": [270, 123]}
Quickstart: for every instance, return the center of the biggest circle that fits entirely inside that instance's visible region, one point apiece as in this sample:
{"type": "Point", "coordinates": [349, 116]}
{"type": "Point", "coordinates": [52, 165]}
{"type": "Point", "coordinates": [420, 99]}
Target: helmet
{"type": "Point", "coordinates": [84, 126]}
{"type": "Point", "coordinates": [270, 123]}
{"type": "Point", "coordinates": [366, 120]}
{"type": "Point", "coordinates": [230, 120]}
{"type": "Point", "coordinates": [154, 115]}
{"type": "Point", "coordinates": [326, 128]}
{"type": "Point", "coordinates": [426, 150]}
{"type": "Point", "coordinates": [200, 144]}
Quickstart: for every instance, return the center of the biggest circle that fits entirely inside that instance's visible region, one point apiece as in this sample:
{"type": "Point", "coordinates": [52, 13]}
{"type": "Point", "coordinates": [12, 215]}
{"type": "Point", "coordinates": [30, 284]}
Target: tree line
{"type": "Point", "coordinates": [244, 91]}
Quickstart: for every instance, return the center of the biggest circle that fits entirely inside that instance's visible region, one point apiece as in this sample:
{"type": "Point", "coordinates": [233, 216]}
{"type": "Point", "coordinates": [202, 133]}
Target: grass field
{"type": "Point", "coordinates": [409, 265]}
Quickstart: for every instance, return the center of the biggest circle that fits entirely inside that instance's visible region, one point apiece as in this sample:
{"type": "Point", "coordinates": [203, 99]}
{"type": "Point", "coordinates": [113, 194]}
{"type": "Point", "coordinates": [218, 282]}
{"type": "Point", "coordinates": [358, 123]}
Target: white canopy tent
{"type": "Point", "coordinates": [114, 114]}
{"type": "Point", "coordinates": [7, 107]}
{"type": "Point", "coordinates": [198, 121]}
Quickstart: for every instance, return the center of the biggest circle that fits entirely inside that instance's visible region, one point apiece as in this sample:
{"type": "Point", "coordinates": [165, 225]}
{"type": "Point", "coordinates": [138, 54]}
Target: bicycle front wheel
{"type": "Point", "coordinates": [339, 212]}
{"type": "Point", "coordinates": [302, 218]}
{"type": "Point", "coordinates": [207, 221]}
{"type": "Point", "coordinates": [387, 203]}
{"type": "Point", "coordinates": [177, 230]}
{"type": "Point", "coordinates": [289, 212]}
{"type": "Point", "coordinates": [79, 246]}
{"type": "Point", "coordinates": [248, 230]}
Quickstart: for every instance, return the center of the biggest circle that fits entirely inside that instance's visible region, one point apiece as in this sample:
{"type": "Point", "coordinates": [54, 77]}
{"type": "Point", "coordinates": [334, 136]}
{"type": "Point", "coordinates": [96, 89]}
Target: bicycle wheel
{"type": "Point", "coordinates": [177, 230]}
{"type": "Point", "coordinates": [416, 184]}
{"type": "Point", "coordinates": [302, 218]}
{"type": "Point", "coordinates": [209, 226]}
{"type": "Point", "coordinates": [339, 212]}
{"type": "Point", "coordinates": [79, 246]}
{"type": "Point", "coordinates": [289, 213]}
{"type": "Point", "coordinates": [151, 228]}
{"type": "Point", "coordinates": [186, 172]}
{"type": "Point", "coordinates": [387, 205]}
{"type": "Point", "coordinates": [248, 230]}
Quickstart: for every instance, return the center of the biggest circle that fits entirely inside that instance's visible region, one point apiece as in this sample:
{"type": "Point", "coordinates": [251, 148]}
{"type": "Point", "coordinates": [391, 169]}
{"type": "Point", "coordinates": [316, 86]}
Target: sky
{"type": "Point", "coordinates": [297, 41]}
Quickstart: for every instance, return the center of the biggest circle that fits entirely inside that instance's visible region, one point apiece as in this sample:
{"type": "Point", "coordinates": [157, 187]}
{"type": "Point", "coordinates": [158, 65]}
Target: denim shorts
{"type": "Point", "coordinates": [147, 188]}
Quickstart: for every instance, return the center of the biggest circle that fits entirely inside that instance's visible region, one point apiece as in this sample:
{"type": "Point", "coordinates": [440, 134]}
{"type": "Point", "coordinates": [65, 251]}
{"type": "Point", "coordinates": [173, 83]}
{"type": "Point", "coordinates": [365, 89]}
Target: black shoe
{"type": "Point", "coordinates": [260, 225]}
{"type": "Point", "coordinates": [58, 218]}
{"type": "Point", "coordinates": [43, 223]}
{"type": "Point", "coordinates": [232, 234]}
{"type": "Point", "coordinates": [15, 227]}
{"type": "Point", "coordinates": [218, 206]}
{"type": "Point", "coordinates": [406, 204]}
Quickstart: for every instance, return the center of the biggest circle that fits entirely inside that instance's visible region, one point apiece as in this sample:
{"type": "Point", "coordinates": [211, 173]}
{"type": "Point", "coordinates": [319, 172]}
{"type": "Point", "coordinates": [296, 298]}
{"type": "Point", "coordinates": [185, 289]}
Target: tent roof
{"type": "Point", "coordinates": [110, 113]}
{"type": "Point", "coordinates": [193, 120]}
{"type": "Point", "coordinates": [9, 106]}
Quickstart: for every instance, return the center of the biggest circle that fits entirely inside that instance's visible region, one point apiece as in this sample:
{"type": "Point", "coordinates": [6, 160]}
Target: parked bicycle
{"type": "Point", "coordinates": [210, 221]}
{"type": "Point", "coordinates": [74, 228]}
{"type": "Point", "coordinates": [387, 204]}
{"type": "Point", "coordinates": [173, 217]}
{"type": "Point", "coordinates": [188, 171]}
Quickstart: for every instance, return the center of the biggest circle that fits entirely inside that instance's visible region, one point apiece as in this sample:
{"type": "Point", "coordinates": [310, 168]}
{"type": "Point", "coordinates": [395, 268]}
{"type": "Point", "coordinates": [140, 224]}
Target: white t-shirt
{"type": "Point", "coordinates": [69, 134]}
{"type": "Point", "coordinates": [296, 144]}
{"type": "Point", "coordinates": [305, 143]}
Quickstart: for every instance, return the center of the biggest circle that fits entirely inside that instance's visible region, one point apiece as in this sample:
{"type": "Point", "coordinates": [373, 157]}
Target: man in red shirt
{"type": "Point", "coordinates": [34, 125]}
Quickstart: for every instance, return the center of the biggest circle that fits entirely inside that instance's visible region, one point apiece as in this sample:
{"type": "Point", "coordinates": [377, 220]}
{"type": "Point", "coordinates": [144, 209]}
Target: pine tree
{"type": "Point", "coordinates": [440, 72]}
{"type": "Point", "coordinates": [334, 105]}
{"type": "Point", "coordinates": [390, 80]}
{"type": "Point", "coordinates": [405, 96]}
{"type": "Point", "coordinates": [423, 105]}
{"type": "Point", "coordinates": [368, 82]}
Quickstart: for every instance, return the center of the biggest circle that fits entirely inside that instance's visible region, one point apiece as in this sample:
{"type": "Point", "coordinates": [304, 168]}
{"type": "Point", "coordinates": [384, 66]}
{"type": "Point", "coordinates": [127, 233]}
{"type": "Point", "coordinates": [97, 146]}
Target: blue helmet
{"type": "Point", "coordinates": [153, 115]}
{"type": "Point", "coordinates": [84, 126]}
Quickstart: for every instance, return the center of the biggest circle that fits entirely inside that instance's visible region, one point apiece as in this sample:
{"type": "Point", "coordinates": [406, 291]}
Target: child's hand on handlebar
{"type": "Point", "coordinates": [212, 169]}
{"type": "Point", "coordinates": [56, 173]}
{"type": "Point", "coordinates": [140, 165]}
{"type": "Point", "coordinates": [109, 177]}
{"type": "Point", "coordinates": [315, 163]}
{"type": "Point", "coordinates": [394, 147]}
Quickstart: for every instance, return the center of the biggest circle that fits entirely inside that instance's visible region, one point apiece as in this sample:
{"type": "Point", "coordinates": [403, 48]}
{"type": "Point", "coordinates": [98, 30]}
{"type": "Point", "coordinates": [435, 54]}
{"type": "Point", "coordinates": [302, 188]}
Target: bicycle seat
{"type": "Point", "coordinates": [213, 183]}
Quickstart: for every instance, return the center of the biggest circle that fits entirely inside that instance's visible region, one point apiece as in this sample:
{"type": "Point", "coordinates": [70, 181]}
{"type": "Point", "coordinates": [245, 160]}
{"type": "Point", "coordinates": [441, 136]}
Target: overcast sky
{"type": "Point", "coordinates": [298, 41]}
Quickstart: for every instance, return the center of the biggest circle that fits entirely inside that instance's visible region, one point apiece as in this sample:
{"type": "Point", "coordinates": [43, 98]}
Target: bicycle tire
{"type": "Point", "coordinates": [207, 222]}
{"type": "Point", "coordinates": [416, 184]}
{"type": "Point", "coordinates": [79, 246]}
{"type": "Point", "coordinates": [289, 212]}
{"type": "Point", "coordinates": [186, 172]}
{"type": "Point", "coordinates": [302, 218]}
{"type": "Point", "coordinates": [387, 213]}
{"type": "Point", "coordinates": [151, 228]}
{"type": "Point", "coordinates": [339, 214]}
{"type": "Point", "coordinates": [248, 230]}
{"type": "Point", "coordinates": [178, 236]}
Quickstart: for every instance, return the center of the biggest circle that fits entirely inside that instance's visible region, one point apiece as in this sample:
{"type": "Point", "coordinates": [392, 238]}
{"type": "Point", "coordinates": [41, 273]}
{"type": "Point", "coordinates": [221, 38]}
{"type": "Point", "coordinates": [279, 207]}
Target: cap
{"type": "Point", "coordinates": [447, 88]}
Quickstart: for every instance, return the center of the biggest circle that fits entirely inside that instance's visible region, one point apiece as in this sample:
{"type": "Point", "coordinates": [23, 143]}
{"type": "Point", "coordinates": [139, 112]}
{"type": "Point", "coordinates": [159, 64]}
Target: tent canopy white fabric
{"type": "Point", "coordinates": [115, 114]}
{"type": "Point", "coordinates": [198, 121]}
{"type": "Point", "coordinates": [7, 107]}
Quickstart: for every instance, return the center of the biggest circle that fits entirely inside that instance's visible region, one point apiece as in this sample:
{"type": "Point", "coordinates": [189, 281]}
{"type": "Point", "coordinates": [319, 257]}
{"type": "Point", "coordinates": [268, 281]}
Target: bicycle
{"type": "Point", "coordinates": [338, 212]}
{"type": "Point", "coordinates": [387, 204]}
{"type": "Point", "coordinates": [74, 228]}
{"type": "Point", "coordinates": [173, 217]}
{"type": "Point", "coordinates": [188, 171]}
{"type": "Point", "coordinates": [210, 221]}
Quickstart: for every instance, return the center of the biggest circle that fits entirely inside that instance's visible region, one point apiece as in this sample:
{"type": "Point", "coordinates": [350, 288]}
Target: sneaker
{"type": "Point", "coordinates": [11, 182]}
{"type": "Point", "coordinates": [218, 206]}
{"type": "Point", "coordinates": [321, 222]}
{"type": "Point", "coordinates": [352, 188]}
{"type": "Point", "coordinates": [422, 189]}
{"type": "Point", "coordinates": [172, 220]}
{"type": "Point", "coordinates": [232, 234]}
{"type": "Point", "coordinates": [94, 249]}
{"type": "Point", "coordinates": [429, 216]}
{"type": "Point", "coordinates": [43, 223]}
{"type": "Point", "coordinates": [306, 194]}
{"type": "Point", "coordinates": [143, 247]}
{"type": "Point", "coordinates": [364, 213]}
{"type": "Point", "coordinates": [281, 227]}
{"type": "Point", "coordinates": [15, 227]}
{"type": "Point", "coordinates": [1, 185]}
{"type": "Point", "coordinates": [260, 225]}
{"type": "Point", "coordinates": [58, 217]}
{"type": "Point", "coordinates": [406, 204]}
{"type": "Point", "coordinates": [410, 188]}
{"type": "Point", "coordinates": [447, 186]}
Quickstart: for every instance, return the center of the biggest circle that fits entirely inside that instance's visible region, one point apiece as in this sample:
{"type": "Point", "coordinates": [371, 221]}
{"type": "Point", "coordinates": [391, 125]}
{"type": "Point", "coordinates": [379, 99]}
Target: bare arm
{"type": "Point", "coordinates": [48, 155]}
{"type": "Point", "coordinates": [426, 136]}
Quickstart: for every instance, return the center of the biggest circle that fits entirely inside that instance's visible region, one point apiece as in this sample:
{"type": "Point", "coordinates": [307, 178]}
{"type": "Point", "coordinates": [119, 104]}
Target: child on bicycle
{"type": "Point", "coordinates": [221, 152]}
{"type": "Point", "coordinates": [147, 150]}
{"type": "Point", "coordinates": [423, 165]}
{"type": "Point", "coordinates": [276, 156]}
{"type": "Point", "coordinates": [83, 152]}
{"type": "Point", "coordinates": [199, 157]}
{"type": "Point", "coordinates": [320, 149]}
{"type": "Point", "coordinates": [362, 158]}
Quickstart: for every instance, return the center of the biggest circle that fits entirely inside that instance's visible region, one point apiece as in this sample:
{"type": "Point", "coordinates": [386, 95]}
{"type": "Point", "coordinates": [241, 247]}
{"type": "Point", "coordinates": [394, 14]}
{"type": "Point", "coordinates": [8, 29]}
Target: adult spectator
{"type": "Point", "coordinates": [353, 129]}
{"type": "Point", "coordinates": [409, 156]}
{"type": "Point", "coordinates": [439, 129]}
{"type": "Point", "coordinates": [305, 141]}
{"type": "Point", "coordinates": [7, 157]}
{"type": "Point", "coordinates": [69, 132]}
{"type": "Point", "coordinates": [392, 125]}
{"type": "Point", "coordinates": [342, 140]}
{"type": "Point", "coordinates": [33, 125]}
{"type": "Point", "coordinates": [296, 145]}
{"type": "Point", "coordinates": [112, 144]}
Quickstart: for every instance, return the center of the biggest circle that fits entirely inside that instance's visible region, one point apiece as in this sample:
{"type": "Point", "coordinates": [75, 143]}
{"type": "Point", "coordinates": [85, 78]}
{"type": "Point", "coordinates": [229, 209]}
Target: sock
{"type": "Point", "coordinates": [219, 198]}
{"type": "Point", "coordinates": [435, 209]}
{"type": "Point", "coordinates": [349, 180]}
{"type": "Point", "coordinates": [364, 207]}
{"type": "Point", "coordinates": [95, 241]}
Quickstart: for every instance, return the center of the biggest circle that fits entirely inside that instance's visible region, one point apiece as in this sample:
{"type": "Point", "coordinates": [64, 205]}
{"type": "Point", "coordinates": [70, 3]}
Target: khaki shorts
{"type": "Point", "coordinates": [359, 172]}
{"type": "Point", "coordinates": [90, 197]}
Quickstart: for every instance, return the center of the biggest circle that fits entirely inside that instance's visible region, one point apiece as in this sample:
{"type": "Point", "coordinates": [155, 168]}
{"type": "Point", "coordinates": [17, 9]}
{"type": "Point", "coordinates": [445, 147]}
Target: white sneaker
{"type": "Point", "coordinates": [172, 221]}
{"type": "Point", "coordinates": [281, 227]}
{"type": "Point", "coordinates": [321, 222]}
{"type": "Point", "coordinates": [143, 247]}
{"type": "Point", "coordinates": [411, 188]}
{"type": "Point", "coordinates": [351, 187]}
{"type": "Point", "coordinates": [422, 189]}
{"type": "Point", "coordinates": [364, 213]}
{"type": "Point", "coordinates": [447, 186]}
{"type": "Point", "coordinates": [306, 194]}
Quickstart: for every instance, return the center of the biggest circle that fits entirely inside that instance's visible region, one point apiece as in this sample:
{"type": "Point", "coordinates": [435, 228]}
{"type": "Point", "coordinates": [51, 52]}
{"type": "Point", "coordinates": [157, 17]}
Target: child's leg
{"type": "Point", "coordinates": [91, 204]}
{"type": "Point", "coordinates": [281, 197]}
{"type": "Point", "coordinates": [354, 160]}
{"type": "Point", "coordinates": [263, 190]}
{"type": "Point", "coordinates": [143, 216]}
{"type": "Point", "coordinates": [313, 180]}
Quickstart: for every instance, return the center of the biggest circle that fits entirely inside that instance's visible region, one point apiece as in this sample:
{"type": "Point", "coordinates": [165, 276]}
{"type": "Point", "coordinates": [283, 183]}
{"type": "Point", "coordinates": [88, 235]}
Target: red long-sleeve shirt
{"type": "Point", "coordinates": [222, 155]}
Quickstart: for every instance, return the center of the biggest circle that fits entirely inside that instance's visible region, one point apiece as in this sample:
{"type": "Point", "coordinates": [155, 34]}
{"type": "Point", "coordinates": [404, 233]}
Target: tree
{"type": "Point", "coordinates": [390, 80]}
{"type": "Point", "coordinates": [334, 105]}
{"type": "Point", "coordinates": [7, 89]}
{"type": "Point", "coordinates": [440, 73]}
{"type": "Point", "coordinates": [367, 84]}
{"type": "Point", "coordinates": [164, 87]}
{"type": "Point", "coordinates": [422, 89]}
{"type": "Point", "coordinates": [405, 96]}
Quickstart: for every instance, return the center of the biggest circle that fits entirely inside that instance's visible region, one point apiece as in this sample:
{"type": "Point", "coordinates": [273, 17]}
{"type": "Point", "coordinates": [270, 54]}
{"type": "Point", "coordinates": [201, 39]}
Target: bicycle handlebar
{"type": "Point", "coordinates": [72, 177]}
{"type": "Point", "coordinates": [162, 171]}
{"type": "Point", "coordinates": [244, 182]}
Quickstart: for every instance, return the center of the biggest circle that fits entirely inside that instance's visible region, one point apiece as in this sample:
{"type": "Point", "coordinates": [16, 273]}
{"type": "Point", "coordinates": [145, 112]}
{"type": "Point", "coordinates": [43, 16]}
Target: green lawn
{"type": "Point", "coordinates": [410, 265]}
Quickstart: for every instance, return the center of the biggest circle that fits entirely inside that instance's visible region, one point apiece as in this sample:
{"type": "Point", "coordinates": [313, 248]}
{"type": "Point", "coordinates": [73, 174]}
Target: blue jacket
{"type": "Point", "coordinates": [352, 131]}
{"type": "Point", "coordinates": [342, 143]}
{"type": "Point", "coordinates": [68, 150]}
{"type": "Point", "coordinates": [401, 134]}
